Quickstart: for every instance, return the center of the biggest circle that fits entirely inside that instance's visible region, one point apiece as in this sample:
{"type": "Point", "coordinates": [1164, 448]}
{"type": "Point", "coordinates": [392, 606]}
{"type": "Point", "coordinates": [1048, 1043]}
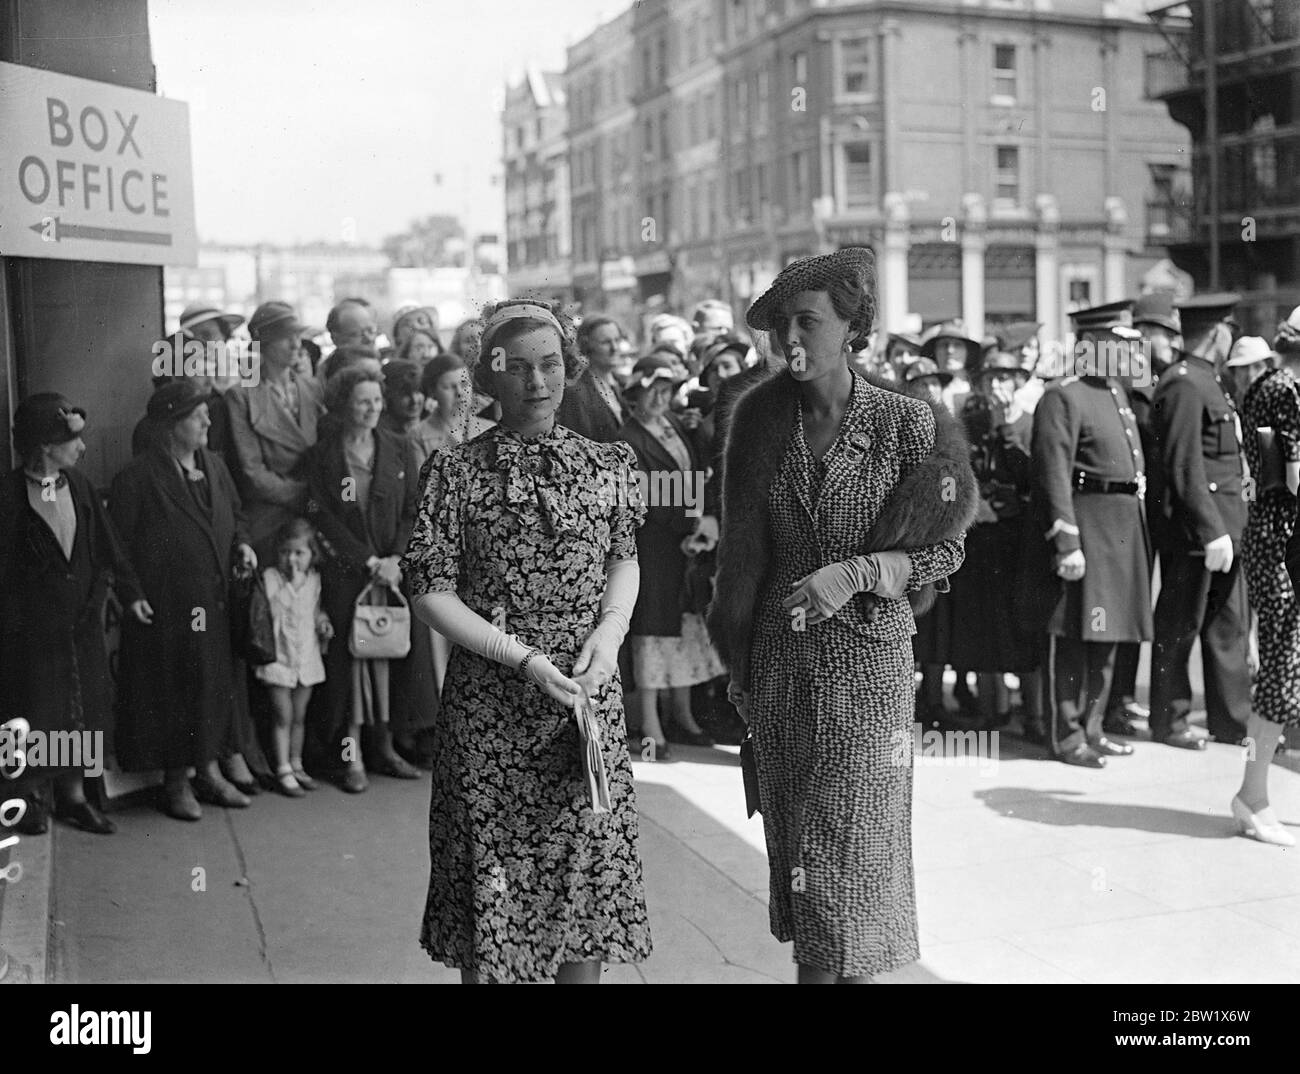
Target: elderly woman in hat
{"type": "Point", "coordinates": [273, 424]}
{"type": "Point", "coordinates": [841, 498]}
{"type": "Point", "coordinates": [181, 521]}
{"type": "Point", "coordinates": [524, 555]}
{"type": "Point", "coordinates": [57, 551]}
{"type": "Point", "coordinates": [985, 636]}
{"type": "Point", "coordinates": [956, 354]}
{"type": "Point", "coordinates": [670, 647]}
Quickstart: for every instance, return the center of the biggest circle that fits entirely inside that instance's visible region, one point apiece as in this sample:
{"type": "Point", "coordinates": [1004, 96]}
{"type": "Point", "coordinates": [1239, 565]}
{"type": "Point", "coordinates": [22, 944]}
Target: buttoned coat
{"type": "Point", "coordinates": [1196, 490]}
{"type": "Point", "coordinates": [177, 686]}
{"type": "Point", "coordinates": [917, 506]}
{"type": "Point", "coordinates": [659, 554]}
{"type": "Point", "coordinates": [271, 447]}
{"type": "Point", "coordinates": [351, 536]}
{"type": "Point", "coordinates": [53, 664]}
{"type": "Point", "coordinates": [1084, 424]}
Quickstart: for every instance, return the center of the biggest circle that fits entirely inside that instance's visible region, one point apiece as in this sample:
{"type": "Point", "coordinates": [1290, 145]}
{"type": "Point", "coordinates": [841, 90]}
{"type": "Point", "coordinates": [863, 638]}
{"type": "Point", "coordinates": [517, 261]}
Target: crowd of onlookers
{"type": "Point", "coordinates": [309, 479]}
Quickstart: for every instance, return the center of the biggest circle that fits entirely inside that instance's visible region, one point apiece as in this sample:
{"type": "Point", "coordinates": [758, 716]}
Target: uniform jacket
{"type": "Point", "coordinates": [1196, 490]}
{"type": "Point", "coordinates": [584, 411]}
{"type": "Point", "coordinates": [1086, 424]}
{"type": "Point", "coordinates": [931, 503]}
{"type": "Point", "coordinates": [663, 564]}
{"type": "Point", "coordinates": [53, 664]}
{"type": "Point", "coordinates": [270, 447]}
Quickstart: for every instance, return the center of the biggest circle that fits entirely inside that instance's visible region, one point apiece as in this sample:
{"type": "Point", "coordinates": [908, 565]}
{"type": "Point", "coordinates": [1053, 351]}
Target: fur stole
{"type": "Point", "coordinates": [912, 517]}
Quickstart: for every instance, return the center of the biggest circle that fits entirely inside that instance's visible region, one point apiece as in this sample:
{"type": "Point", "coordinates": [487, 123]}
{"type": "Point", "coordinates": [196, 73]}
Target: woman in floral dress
{"type": "Point", "coordinates": [524, 555]}
{"type": "Point", "coordinates": [1273, 402]}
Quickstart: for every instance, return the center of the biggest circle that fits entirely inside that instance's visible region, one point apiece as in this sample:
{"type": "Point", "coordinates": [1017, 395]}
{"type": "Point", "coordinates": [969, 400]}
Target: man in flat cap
{"type": "Point", "coordinates": [1088, 481]}
{"type": "Point", "coordinates": [1199, 514]}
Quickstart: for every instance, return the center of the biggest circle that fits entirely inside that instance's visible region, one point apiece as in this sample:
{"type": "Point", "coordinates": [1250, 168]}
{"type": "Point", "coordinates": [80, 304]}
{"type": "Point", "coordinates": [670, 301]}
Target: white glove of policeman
{"type": "Point", "coordinates": [1218, 554]}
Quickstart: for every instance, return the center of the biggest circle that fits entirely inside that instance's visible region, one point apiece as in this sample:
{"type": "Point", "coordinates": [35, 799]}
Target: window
{"type": "Point", "coordinates": [710, 115]}
{"type": "Point", "coordinates": [664, 154]}
{"type": "Point", "coordinates": [761, 176]}
{"type": "Point", "coordinates": [692, 121]}
{"type": "Point", "coordinates": [1007, 177]}
{"type": "Point", "coordinates": [799, 180]}
{"type": "Point", "coordinates": [742, 105]}
{"type": "Point", "coordinates": [648, 136]}
{"type": "Point", "coordinates": [799, 61]}
{"type": "Point", "coordinates": [739, 18]}
{"type": "Point", "coordinates": [647, 63]}
{"type": "Point", "coordinates": [859, 188]}
{"type": "Point", "coordinates": [740, 188]}
{"type": "Point", "coordinates": [1081, 294]}
{"type": "Point", "coordinates": [855, 66]}
{"type": "Point", "coordinates": [1004, 71]}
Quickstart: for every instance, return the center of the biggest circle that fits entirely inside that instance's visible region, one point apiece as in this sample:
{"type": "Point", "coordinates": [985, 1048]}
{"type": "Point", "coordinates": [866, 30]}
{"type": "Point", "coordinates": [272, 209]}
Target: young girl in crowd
{"type": "Point", "coordinates": [301, 628]}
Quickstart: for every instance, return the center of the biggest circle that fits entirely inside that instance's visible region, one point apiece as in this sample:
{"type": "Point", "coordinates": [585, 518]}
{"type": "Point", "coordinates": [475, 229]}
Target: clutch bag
{"type": "Point", "coordinates": [593, 760]}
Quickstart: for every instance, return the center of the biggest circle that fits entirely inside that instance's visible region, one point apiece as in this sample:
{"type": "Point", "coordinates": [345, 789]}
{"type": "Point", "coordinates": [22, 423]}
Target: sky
{"type": "Point", "coordinates": [325, 120]}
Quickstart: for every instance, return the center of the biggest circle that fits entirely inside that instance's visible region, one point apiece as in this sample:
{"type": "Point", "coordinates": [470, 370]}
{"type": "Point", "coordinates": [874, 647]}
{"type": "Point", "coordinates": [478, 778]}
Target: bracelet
{"type": "Point", "coordinates": [528, 659]}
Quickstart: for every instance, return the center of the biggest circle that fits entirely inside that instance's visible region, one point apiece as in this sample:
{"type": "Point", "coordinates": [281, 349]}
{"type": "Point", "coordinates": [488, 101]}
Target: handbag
{"type": "Point", "coordinates": [380, 631]}
{"type": "Point", "coordinates": [593, 761]}
{"type": "Point", "coordinates": [252, 630]}
{"type": "Point", "coordinates": [749, 773]}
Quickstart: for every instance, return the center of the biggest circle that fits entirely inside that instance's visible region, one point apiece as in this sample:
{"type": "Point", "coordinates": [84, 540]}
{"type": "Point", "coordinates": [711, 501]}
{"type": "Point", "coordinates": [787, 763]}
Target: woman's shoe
{"type": "Point", "coordinates": [85, 816]}
{"type": "Point", "coordinates": [36, 819]}
{"type": "Point", "coordinates": [1263, 825]}
{"type": "Point", "coordinates": [304, 781]}
{"type": "Point", "coordinates": [181, 804]}
{"type": "Point", "coordinates": [396, 768]}
{"type": "Point", "coordinates": [243, 781]}
{"type": "Point", "coordinates": [354, 780]}
{"type": "Point", "coordinates": [219, 794]}
{"type": "Point", "coordinates": [287, 784]}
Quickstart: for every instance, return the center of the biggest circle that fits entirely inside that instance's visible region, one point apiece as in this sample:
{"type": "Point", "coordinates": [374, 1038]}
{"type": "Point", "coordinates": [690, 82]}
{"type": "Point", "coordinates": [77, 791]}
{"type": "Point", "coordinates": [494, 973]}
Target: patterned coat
{"type": "Point", "coordinates": [832, 704]}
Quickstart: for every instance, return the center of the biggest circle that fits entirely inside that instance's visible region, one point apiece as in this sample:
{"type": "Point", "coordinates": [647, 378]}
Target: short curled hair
{"type": "Point", "coordinates": [434, 370]}
{"type": "Point", "coordinates": [338, 388]}
{"type": "Point", "coordinates": [1287, 341]}
{"type": "Point", "coordinates": [481, 370]}
{"type": "Point", "coordinates": [588, 329]}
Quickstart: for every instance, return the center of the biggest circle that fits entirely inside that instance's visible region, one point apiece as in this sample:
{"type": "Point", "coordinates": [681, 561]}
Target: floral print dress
{"type": "Point", "coordinates": [524, 877]}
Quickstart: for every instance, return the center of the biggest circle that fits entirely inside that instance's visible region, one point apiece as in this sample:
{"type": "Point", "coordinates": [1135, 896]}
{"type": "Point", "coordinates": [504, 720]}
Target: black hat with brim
{"type": "Point", "coordinates": [175, 400]}
{"type": "Point", "coordinates": [46, 418]}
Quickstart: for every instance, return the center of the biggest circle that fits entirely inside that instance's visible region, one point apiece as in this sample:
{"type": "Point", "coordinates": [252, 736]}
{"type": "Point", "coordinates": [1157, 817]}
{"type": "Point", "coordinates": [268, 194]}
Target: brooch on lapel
{"type": "Point", "coordinates": [856, 449]}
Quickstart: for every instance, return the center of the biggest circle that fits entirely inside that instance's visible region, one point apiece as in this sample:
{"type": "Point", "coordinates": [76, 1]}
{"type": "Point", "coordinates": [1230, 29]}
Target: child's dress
{"type": "Point", "coordinates": [297, 647]}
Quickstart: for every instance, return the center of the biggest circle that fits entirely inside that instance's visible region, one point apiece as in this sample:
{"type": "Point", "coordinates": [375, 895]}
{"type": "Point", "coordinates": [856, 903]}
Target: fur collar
{"type": "Point", "coordinates": [756, 440]}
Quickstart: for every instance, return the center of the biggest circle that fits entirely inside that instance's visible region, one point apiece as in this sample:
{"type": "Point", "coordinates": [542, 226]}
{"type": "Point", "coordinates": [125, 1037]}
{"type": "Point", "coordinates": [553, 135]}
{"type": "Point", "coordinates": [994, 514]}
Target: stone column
{"type": "Point", "coordinates": [974, 222]}
{"type": "Point", "coordinates": [893, 264]}
{"type": "Point", "coordinates": [890, 32]}
{"type": "Point", "coordinates": [1047, 277]}
{"type": "Point", "coordinates": [1115, 255]}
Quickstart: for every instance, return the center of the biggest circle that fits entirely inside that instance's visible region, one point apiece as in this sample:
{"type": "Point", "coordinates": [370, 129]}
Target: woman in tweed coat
{"type": "Point", "coordinates": [841, 499]}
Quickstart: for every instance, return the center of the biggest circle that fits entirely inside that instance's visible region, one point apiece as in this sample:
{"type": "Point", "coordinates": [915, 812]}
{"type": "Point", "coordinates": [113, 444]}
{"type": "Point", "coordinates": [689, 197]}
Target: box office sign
{"type": "Point", "coordinates": [93, 172]}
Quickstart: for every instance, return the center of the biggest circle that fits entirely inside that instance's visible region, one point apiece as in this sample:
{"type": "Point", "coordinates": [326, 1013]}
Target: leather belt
{"type": "Point", "coordinates": [1084, 482]}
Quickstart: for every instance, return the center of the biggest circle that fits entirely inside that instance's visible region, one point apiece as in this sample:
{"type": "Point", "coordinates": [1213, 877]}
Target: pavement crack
{"type": "Point", "coordinates": [262, 950]}
{"type": "Point", "coordinates": [723, 955]}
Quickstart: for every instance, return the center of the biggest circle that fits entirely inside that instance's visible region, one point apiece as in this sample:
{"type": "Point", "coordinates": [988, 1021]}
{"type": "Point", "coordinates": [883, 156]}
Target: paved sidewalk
{"type": "Point", "coordinates": [1029, 871]}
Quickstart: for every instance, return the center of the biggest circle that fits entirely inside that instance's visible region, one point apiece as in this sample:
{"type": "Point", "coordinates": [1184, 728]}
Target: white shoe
{"type": "Point", "coordinates": [1263, 825]}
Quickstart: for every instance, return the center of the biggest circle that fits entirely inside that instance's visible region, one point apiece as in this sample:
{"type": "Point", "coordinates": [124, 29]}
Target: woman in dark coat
{"type": "Point", "coordinates": [841, 498]}
{"type": "Point", "coordinates": [362, 492]}
{"type": "Point", "coordinates": [593, 404]}
{"type": "Point", "coordinates": [986, 636]}
{"type": "Point", "coordinates": [670, 647]}
{"type": "Point", "coordinates": [57, 549]}
{"type": "Point", "coordinates": [181, 520]}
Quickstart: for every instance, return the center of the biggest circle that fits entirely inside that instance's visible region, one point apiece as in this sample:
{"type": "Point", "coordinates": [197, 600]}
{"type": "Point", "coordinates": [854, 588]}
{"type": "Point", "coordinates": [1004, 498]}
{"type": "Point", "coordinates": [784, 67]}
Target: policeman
{"type": "Point", "coordinates": [1155, 317]}
{"type": "Point", "coordinates": [1089, 481]}
{"type": "Point", "coordinates": [1198, 488]}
